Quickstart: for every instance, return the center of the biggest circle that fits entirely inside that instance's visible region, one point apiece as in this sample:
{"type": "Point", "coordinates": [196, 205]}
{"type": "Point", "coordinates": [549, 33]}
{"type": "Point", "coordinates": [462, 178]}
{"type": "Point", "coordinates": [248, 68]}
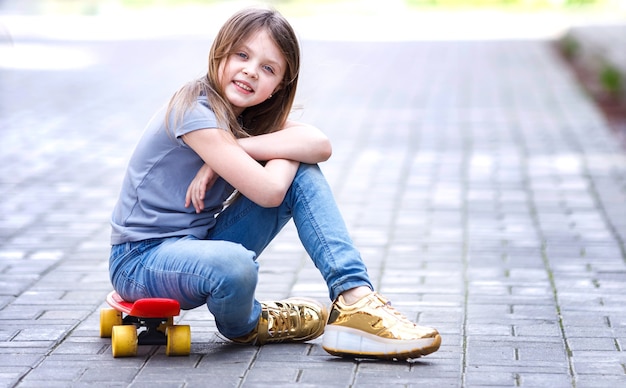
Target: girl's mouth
{"type": "Point", "coordinates": [243, 86]}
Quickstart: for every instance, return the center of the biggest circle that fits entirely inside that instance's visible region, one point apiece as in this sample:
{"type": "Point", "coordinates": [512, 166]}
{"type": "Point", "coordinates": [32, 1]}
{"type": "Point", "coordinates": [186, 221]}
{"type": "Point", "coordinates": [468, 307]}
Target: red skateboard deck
{"type": "Point", "coordinates": [147, 321]}
{"type": "Point", "coordinates": [144, 308]}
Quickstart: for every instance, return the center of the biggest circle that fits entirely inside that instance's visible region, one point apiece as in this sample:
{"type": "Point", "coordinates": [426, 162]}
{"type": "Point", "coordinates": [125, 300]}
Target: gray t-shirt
{"type": "Point", "coordinates": [152, 199]}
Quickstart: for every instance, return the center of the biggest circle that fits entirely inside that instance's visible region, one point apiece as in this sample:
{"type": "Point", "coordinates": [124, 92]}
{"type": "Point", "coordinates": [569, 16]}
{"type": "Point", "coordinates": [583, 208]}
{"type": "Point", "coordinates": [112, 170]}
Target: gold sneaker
{"type": "Point", "coordinates": [289, 320]}
{"type": "Point", "coordinates": [371, 328]}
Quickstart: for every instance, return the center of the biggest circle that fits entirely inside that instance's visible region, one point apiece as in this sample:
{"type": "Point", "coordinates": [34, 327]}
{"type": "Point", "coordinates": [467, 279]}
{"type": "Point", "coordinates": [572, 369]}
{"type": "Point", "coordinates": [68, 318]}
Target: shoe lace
{"type": "Point", "coordinates": [386, 305]}
{"type": "Point", "coordinates": [281, 319]}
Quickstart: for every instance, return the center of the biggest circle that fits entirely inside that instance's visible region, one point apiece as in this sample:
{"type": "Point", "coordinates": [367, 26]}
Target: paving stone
{"type": "Point", "coordinates": [10, 375]}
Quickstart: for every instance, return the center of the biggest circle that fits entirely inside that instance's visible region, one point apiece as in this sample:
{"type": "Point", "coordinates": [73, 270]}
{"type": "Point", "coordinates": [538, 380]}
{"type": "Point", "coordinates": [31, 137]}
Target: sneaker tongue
{"type": "Point", "coordinates": [374, 300]}
{"type": "Point", "coordinates": [380, 298]}
{"type": "Point", "coordinates": [363, 301]}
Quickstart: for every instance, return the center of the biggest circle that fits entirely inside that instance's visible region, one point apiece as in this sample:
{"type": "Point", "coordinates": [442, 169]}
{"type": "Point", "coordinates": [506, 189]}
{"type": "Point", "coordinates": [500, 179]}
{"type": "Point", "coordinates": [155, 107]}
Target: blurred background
{"type": "Point", "coordinates": [345, 19]}
{"type": "Point", "coordinates": [590, 35]}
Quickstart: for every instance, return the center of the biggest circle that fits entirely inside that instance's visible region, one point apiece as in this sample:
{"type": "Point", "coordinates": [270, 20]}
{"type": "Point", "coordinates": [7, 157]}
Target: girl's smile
{"type": "Point", "coordinates": [245, 88]}
{"type": "Point", "coordinates": [253, 72]}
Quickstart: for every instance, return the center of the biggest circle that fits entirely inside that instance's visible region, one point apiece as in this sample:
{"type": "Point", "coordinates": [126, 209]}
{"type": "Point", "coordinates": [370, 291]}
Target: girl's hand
{"type": "Point", "coordinates": [204, 179]}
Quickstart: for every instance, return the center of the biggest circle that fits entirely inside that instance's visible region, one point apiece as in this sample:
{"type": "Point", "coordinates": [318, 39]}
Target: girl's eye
{"type": "Point", "coordinates": [268, 69]}
{"type": "Point", "coordinates": [243, 55]}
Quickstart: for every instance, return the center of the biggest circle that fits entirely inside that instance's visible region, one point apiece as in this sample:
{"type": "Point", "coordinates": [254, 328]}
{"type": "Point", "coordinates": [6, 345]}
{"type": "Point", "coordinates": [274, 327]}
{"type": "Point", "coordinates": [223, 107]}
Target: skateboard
{"type": "Point", "coordinates": [147, 321]}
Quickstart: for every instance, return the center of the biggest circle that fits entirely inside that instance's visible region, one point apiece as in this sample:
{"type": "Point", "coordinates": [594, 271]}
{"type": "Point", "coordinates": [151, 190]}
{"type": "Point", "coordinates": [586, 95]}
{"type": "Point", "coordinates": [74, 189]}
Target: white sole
{"type": "Point", "coordinates": [347, 342]}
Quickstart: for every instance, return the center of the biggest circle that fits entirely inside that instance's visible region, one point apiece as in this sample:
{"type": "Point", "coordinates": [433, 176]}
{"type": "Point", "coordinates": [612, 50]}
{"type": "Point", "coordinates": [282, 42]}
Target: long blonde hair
{"type": "Point", "coordinates": [266, 117]}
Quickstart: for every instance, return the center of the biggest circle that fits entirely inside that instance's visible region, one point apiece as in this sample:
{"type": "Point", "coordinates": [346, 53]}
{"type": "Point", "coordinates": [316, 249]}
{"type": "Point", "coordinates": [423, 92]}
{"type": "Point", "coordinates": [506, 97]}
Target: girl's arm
{"type": "Point", "coordinates": [264, 185]}
{"type": "Point", "coordinates": [296, 141]}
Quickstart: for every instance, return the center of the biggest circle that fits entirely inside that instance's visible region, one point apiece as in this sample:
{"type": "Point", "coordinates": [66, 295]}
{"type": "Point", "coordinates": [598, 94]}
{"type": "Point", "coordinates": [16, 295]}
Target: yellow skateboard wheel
{"type": "Point", "coordinates": [178, 340]}
{"type": "Point", "coordinates": [108, 319]}
{"type": "Point", "coordinates": [124, 341]}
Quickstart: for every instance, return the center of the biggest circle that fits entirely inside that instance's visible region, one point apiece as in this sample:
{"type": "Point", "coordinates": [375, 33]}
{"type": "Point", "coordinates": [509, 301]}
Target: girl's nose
{"type": "Point", "coordinates": [249, 73]}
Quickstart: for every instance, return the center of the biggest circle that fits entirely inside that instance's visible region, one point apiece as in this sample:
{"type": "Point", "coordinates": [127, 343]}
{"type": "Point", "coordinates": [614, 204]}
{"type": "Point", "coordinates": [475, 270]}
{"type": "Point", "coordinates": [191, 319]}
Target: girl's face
{"type": "Point", "coordinates": [253, 73]}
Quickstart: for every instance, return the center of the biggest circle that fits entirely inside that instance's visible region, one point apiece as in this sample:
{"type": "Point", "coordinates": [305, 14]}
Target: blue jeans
{"type": "Point", "coordinates": [222, 271]}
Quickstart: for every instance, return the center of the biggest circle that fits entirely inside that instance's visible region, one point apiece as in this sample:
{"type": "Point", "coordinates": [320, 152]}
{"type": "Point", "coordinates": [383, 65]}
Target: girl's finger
{"type": "Point", "coordinates": [188, 197]}
{"type": "Point", "coordinates": [198, 201]}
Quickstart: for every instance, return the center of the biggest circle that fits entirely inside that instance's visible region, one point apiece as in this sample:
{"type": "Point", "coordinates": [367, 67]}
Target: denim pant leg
{"type": "Point", "coordinates": [321, 229]}
{"type": "Point", "coordinates": [221, 274]}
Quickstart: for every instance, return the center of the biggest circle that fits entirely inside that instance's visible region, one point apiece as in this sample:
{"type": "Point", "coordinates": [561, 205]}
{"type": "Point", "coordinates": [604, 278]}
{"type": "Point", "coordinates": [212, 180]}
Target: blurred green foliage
{"type": "Point", "coordinates": [93, 6]}
{"type": "Point", "coordinates": [610, 79]}
{"type": "Point", "coordinates": [428, 3]}
{"type": "Point", "coordinates": [570, 47]}
{"type": "Point", "coordinates": [143, 3]}
{"type": "Point", "coordinates": [505, 3]}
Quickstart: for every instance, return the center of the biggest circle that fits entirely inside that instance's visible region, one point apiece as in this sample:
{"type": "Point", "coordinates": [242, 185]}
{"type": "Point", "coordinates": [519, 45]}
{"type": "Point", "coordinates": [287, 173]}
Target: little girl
{"type": "Point", "coordinates": [215, 177]}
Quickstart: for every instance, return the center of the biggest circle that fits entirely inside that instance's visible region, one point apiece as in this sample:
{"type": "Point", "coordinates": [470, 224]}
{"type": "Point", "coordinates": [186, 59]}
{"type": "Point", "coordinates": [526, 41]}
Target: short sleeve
{"type": "Point", "coordinates": [199, 117]}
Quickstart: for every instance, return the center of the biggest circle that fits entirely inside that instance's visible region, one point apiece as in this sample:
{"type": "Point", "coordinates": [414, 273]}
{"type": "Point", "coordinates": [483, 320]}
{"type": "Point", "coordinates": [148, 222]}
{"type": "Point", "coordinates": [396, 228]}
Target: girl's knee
{"type": "Point", "coordinates": [240, 269]}
{"type": "Point", "coordinates": [309, 174]}
{"type": "Point", "coordinates": [310, 169]}
{"type": "Point", "coordinates": [243, 272]}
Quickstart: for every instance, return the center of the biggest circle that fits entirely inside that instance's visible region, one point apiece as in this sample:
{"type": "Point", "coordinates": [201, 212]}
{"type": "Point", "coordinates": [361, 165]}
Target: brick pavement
{"type": "Point", "coordinates": [484, 189]}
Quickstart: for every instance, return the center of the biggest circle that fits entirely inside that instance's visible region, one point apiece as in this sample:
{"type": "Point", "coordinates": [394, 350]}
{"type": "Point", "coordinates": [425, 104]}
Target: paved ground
{"type": "Point", "coordinates": [483, 187]}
